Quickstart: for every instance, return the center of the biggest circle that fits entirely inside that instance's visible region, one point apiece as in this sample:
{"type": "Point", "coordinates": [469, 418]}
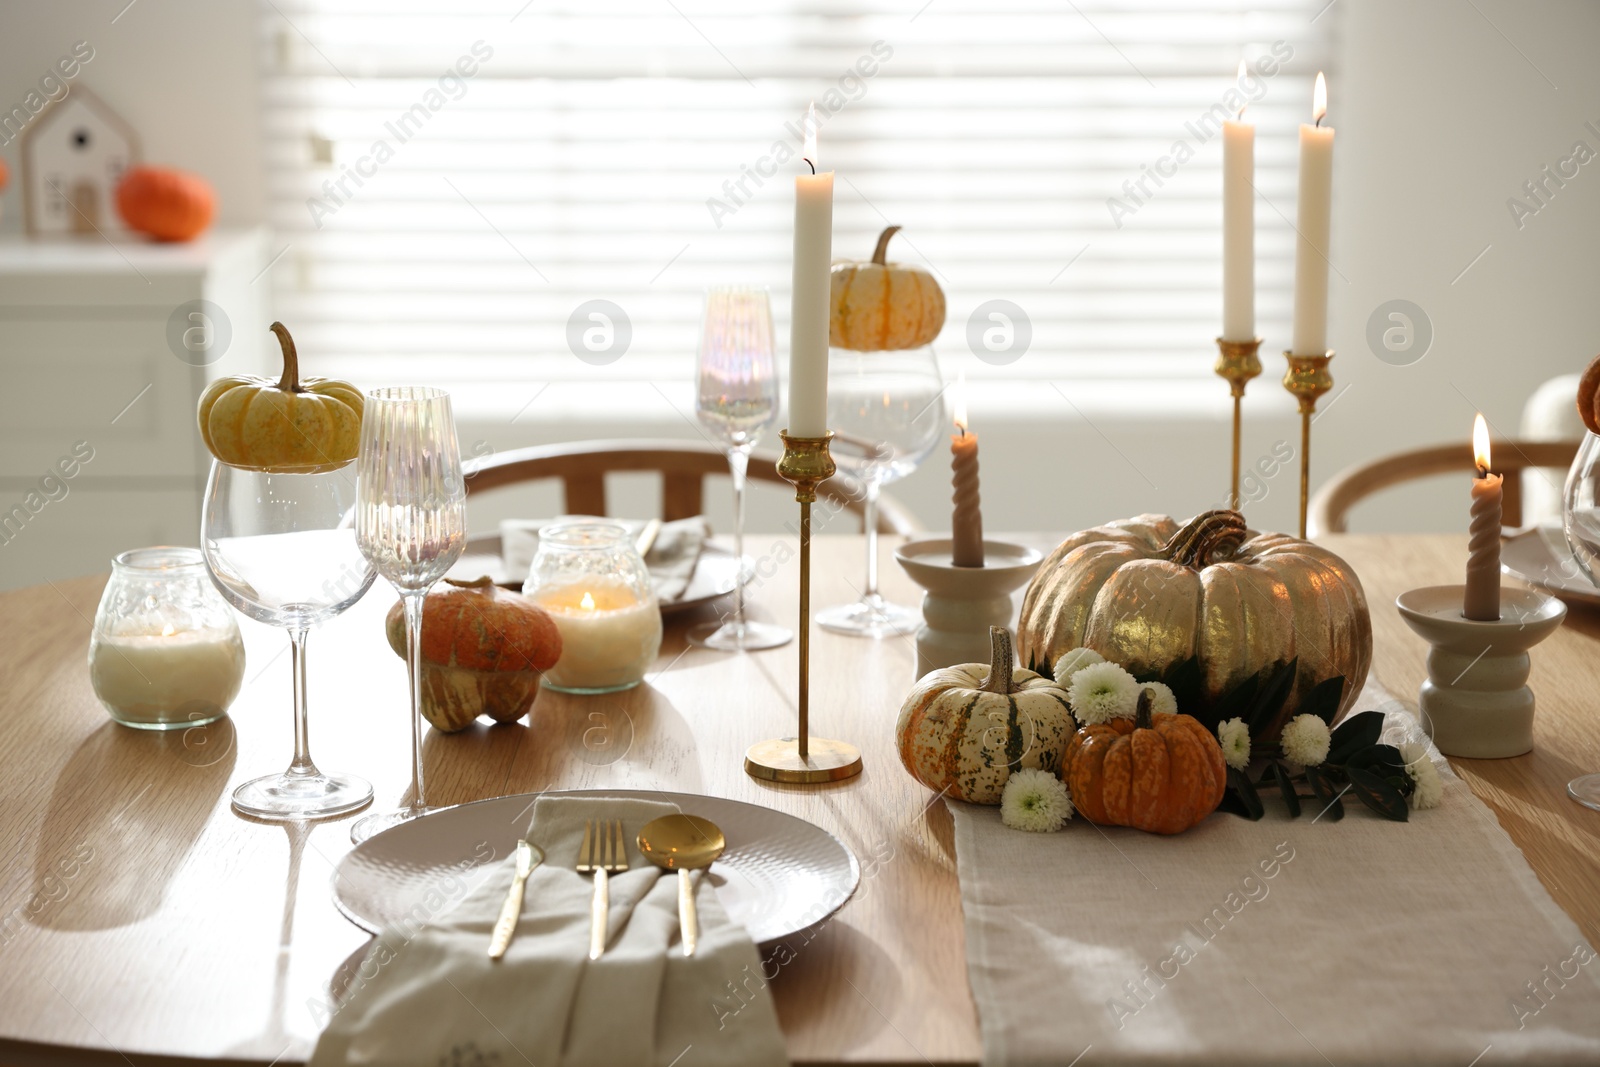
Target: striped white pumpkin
{"type": "Point", "coordinates": [964, 729]}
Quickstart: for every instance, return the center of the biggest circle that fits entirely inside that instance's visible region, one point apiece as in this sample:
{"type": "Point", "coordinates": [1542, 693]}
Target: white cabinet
{"type": "Point", "coordinates": [104, 349]}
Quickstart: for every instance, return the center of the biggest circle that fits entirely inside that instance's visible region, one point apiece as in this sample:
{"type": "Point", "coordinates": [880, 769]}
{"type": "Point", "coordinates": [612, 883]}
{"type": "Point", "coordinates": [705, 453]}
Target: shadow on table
{"type": "Point", "coordinates": [808, 992]}
{"type": "Point", "coordinates": [124, 814]}
{"type": "Point", "coordinates": [636, 739]}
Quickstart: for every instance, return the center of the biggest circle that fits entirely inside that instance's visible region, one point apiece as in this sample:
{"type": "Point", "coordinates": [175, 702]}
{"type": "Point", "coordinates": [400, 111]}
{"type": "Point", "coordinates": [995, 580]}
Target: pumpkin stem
{"type": "Point", "coordinates": [880, 255]}
{"type": "Point", "coordinates": [476, 583]}
{"type": "Point", "coordinates": [1000, 653]}
{"type": "Point", "coordinates": [1142, 712]}
{"type": "Point", "coordinates": [290, 382]}
{"type": "Point", "coordinates": [1206, 537]}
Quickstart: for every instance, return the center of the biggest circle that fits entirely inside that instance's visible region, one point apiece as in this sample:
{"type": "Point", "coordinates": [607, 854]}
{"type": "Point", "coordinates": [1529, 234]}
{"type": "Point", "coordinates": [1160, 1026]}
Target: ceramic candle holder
{"type": "Point", "coordinates": [1476, 702]}
{"type": "Point", "coordinates": [961, 603]}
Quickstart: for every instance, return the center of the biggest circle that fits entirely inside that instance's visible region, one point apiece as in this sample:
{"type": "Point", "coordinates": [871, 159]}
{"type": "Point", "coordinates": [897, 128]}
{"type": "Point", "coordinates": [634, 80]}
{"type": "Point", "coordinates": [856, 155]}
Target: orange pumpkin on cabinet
{"type": "Point", "coordinates": [169, 205]}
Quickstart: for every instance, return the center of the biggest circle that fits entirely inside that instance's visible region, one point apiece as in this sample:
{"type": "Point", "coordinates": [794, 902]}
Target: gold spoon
{"type": "Point", "coordinates": [683, 843]}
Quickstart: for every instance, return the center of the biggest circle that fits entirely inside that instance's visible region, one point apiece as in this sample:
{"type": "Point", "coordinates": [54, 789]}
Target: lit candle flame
{"type": "Point", "coordinates": [1319, 100]}
{"type": "Point", "coordinates": [960, 402]}
{"type": "Point", "coordinates": [810, 153]}
{"type": "Point", "coordinates": [1480, 444]}
{"type": "Point", "coordinates": [587, 603]}
{"type": "Point", "coordinates": [167, 630]}
{"type": "Point", "coordinates": [1240, 83]}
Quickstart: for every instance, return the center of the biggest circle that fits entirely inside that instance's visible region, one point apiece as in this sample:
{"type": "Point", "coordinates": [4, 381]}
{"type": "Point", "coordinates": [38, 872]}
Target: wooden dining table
{"type": "Point", "coordinates": [143, 921]}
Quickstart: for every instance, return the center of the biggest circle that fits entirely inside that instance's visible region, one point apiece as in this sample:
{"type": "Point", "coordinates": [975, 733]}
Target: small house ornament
{"type": "Point", "coordinates": [73, 156]}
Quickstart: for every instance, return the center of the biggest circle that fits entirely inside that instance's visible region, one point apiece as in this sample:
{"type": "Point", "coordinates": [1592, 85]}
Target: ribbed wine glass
{"type": "Point", "coordinates": [1580, 519]}
{"type": "Point", "coordinates": [281, 548]}
{"type": "Point", "coordinates": [737, 401]}
{"type": "Point", "coordinates": [411, 524]}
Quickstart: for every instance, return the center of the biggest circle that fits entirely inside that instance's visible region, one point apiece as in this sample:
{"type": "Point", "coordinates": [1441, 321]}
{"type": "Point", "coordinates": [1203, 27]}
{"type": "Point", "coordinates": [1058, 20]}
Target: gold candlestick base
{"type": "Point", "coordinates": [803, 759]}
{"type": "Point", "coordinates": [1238, 362]}
{"type": "Point", "coordinates": [1308, 379]}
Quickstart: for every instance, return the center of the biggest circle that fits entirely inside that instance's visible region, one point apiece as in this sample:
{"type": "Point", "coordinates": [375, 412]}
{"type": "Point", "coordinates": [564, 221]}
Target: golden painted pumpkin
{"type": "Point", "coordinates": [964, 729]}
{"type": "Point", "coordinates": [1149, 594]}
{"type": "Point", "coordinates": [880, 306]}
{"type": "Point", "coordinates": [292, 426]}
{"type": "Point", "coordinates": [1155, 772]}
{"type": "Point", "coordinates": [484, 650]}
{"type": "Point", "coordinates": [167, 204]}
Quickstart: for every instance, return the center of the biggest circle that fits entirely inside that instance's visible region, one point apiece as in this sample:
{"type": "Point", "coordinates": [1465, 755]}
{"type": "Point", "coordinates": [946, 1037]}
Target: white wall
{"type": "Point", "coordinates": [1441, 117]}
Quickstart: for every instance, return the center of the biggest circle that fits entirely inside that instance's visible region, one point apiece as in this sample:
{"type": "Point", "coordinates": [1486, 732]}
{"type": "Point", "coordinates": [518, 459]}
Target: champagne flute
{"type": "Point", "coordinates": [885, 411]}
{"type": "Point", "coordinates": [1580, 520]}
{"type": "Point", "coordinates": [411, 524]}
{"type": "Point", "coordinates": [737, 401]}
{"type": "Point", "coordinates": [281, 548]}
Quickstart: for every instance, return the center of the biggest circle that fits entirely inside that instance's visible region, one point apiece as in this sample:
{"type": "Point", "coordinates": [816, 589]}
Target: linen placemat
{"type": "Point", "coordinates": [435, 997]}
{"type": "Point", "coordinates": [1283, 941]}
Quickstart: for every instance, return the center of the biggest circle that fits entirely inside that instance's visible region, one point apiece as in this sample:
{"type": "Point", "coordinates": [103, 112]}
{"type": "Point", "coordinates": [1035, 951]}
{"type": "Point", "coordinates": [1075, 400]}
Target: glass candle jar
{"type": "Point", "coordinates": [591, 579]}
{"type": "Point", "coordinates": [166, 652]}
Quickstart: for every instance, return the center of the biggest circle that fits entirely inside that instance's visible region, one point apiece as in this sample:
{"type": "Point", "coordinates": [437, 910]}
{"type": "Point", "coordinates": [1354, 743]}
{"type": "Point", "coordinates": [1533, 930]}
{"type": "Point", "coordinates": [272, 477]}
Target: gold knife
{"type": "Point", "coordinates": [529, 856]}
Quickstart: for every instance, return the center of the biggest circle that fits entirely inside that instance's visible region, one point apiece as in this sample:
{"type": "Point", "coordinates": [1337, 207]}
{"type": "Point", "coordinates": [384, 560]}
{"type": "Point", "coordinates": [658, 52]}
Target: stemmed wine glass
{"type": "Point", "coordinates": [1580, 519]}
{"type": "Point", "coordinates": [886, 416]}
{"type": "Point", "coordinates": [411, 524]}
{"type": "Point", "coordinates": [281, 548]}
{"type": "Point", "coordinates": [737, 401]}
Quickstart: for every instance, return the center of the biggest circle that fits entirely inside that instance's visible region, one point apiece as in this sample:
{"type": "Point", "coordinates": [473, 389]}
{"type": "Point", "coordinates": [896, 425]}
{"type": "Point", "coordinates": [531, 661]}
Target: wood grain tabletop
{"type": "Point", "coordinates": [142, 920]}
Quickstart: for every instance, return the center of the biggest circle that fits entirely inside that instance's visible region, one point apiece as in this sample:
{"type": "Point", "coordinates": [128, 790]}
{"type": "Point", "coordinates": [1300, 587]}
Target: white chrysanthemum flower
{"type": "Point", "coordinates": [1035, 800]}
{"type": "Point", "coordinates": [1163, 701]}
{"type": "Point", "coordinates": [1305, 740]}
{"type": "Point", "coordinates": [1102, 691]}
{"type": "Point", "coordinates": [1427, 788]}
{"type": "Point", "coordinates": [1234, 737]}
{"type": "Point", "coordinates": [1072, 662]}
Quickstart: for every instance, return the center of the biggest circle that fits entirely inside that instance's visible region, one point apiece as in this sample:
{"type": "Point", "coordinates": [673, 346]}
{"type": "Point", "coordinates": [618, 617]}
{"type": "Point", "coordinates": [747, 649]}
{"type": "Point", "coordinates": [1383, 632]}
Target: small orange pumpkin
{"type": "Point", "coordinates": [1155, 772]}
{"type": "Point", "coordinates": [878, 306]}
{"type": "Point", "coordinates": [169, 205]}
{"type": "Point", "coordinates": [484, 650]}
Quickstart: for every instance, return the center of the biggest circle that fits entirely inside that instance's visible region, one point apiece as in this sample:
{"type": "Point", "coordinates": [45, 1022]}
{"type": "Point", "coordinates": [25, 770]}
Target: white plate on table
{"type": "Point", "coordinates": [779, 875]}
{"type": "Point", "coordinates": [714, 575]}
{"type": "Point", "coordinates": [1541, 558]}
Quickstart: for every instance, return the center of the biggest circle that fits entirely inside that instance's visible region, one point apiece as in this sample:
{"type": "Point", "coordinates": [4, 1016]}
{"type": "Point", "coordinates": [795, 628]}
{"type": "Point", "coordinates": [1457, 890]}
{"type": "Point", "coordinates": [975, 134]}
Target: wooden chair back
{"type": "Point", "coordinates": [683, 465]}
{"type": "Point", "coordinates": [1331, 505]}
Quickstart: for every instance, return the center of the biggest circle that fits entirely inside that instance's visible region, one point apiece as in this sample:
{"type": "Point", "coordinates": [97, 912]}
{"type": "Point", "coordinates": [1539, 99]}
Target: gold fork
{"type": "Point", "coordinates": [601, 854]}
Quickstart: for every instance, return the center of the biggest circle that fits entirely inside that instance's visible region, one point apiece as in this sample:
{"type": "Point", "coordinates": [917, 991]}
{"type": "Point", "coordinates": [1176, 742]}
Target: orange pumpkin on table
{"type": "Point", "coordinates": [1157, 772]}
{"type": "Point", "coordinates": [484, 650]}
{"type": "Point", "coordinates": [169, 205]}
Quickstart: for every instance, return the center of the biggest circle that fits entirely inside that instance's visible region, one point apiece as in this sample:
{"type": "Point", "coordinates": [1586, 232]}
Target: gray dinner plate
{"type": "Point", "coordinates": [779, 875]}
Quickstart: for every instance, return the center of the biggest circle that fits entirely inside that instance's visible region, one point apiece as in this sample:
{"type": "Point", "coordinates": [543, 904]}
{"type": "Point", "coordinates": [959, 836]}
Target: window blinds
{"type": "Point", "coordinates": [458, 195]}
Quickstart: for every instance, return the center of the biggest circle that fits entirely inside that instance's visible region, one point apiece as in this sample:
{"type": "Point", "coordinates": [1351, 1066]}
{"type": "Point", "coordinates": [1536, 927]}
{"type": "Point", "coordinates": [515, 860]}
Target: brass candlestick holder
{"type": "Point", "coordinates": [803, 759]}
{"type": "Point", "coordinates": [1307, 378]}
{"type": "Point", "coordinates": [1238, 363]}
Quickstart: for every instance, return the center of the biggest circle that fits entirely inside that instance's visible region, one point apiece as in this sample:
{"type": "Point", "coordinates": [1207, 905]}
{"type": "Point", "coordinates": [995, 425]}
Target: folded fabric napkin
{"type": "Point", "coordinates": [435, 998]}
{"type": "Point", "coordinates": [1283, 941]}
{"type": "Point", "coordinates": [671, 559]}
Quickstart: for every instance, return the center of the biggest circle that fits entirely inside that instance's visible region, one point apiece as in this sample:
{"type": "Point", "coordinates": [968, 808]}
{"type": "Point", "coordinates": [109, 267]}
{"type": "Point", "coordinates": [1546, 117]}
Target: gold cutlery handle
{"type": "Point", "coordinates": [506, 925]}
{"type": "Point", "coordinates": [688, 922]}
{"type": "Point", "coordinates": [599, 914]}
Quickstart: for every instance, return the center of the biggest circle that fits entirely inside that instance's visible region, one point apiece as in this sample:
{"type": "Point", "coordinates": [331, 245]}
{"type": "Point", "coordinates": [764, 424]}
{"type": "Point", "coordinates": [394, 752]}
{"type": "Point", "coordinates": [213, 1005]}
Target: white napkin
{"type": "Point", "coordinates": [671, 559]}
{"type": "Point", "coordinates": [438, 999]}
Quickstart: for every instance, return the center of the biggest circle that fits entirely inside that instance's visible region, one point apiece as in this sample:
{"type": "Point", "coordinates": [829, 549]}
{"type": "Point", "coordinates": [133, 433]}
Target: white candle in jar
{"type": "Point", "coordinates": [1238, 226]}
{"type": "Point", "coordinates": [609, 635]}
{"type": "Point", "coordinates": [172, 676]}
{"type": "Point", "coordinates": [813, 267]}
{"type": "Point", "coordinates": [1313, 221]}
